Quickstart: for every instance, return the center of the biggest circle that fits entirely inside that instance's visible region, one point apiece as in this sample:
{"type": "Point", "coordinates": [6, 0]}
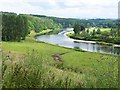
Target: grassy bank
{"type": "Point", "coordinates": [29, 64]}
{"type": "Point", "coordinates": [100, 37]}
{"type": "Point", "coordinates": [96, 40]}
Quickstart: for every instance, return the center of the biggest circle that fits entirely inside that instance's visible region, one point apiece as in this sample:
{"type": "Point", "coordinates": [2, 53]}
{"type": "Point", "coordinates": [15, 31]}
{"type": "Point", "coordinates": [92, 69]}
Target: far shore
{"type": "Point", "coordinates": [115, 45]}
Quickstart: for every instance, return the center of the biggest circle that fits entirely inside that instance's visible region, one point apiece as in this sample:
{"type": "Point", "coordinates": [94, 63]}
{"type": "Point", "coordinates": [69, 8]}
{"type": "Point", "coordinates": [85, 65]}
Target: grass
{"type": "Point", "coordinates": [104, 43]}
{"type": "Point", "coordinates": [102, 29]}
{"type": "Point", "coordinates": [29, 64]}
{"type": "Point", "coordinates": [34, 34]}
{"type": "Point", "coordinates": [96, 38]}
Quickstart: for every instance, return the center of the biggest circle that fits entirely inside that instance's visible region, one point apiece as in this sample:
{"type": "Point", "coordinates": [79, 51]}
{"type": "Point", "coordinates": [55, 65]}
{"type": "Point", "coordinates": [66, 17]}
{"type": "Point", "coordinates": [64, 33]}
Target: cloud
{"type": "Point", "coordinates": [18, 7]}
{"type": "Point", "coordinates": [63, 8]}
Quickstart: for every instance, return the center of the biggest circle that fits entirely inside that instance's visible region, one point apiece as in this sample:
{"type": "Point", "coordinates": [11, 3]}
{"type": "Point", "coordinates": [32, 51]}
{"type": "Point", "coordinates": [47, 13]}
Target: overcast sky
{"type": "Point", "coordinates": [63, 8]}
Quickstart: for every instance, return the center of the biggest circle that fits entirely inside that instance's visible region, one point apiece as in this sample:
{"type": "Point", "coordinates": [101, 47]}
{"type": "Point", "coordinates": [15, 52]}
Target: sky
{"type": "Point", "coordinates": [83, 9]}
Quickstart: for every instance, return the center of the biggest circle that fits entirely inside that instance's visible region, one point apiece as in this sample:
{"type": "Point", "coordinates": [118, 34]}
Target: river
{"type": "Point", "coordinates": [62, 40]}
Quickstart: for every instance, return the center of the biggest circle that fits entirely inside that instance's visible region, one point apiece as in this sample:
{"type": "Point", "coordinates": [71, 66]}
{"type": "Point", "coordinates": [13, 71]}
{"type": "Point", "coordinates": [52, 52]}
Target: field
{"type": "Point", "coordinates": [91, 29]}
{"type": "Point", "coordinates": [102, 29]}
{"type": "Point", "coordinates": [31, 64]}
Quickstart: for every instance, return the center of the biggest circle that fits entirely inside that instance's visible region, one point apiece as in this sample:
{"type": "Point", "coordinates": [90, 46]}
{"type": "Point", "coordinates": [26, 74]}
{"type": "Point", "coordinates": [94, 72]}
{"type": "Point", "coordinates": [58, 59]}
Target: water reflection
{"type": "Point", "coordinates": [92, 47]}
{"type": "Point", "coordinates": [65, 41]}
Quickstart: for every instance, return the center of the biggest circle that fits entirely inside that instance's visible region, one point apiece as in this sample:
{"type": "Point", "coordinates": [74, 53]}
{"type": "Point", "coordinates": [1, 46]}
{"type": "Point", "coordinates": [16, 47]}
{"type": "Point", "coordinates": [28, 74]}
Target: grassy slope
{"type": "Point", "coordinates": [84, 69]}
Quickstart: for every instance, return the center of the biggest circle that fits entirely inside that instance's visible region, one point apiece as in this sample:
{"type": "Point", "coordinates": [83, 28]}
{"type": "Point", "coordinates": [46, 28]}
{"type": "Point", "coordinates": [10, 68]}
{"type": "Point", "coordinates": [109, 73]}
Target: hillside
{"type": "Point", "coordinates": [32, 64]}
{"type": "Point", "coordinates": [69, 22]}
{"type": "Point", "coordinates": [17, 27]}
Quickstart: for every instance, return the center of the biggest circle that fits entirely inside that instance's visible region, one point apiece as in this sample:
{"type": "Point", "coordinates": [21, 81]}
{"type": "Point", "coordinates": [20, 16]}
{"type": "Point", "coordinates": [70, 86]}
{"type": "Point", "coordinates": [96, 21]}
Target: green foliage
{"type": "Point", "coordinates": [15, 27]}
{"type": "Point", "coordinates": [35, 69]}
{"type": "Point", "coordinates": [69, 22]}
{"type": "Point", "coordinates": [22, 26]}
{"type": "Point", "coordinates": [76, 28]}
{"type": "Point", "coordinates": [98, 31]}
{"type": "Point", "coordinates": [39, 24]}
{"type": "Point", "coordinates": [118, 29]}
{"type": "Point", "coordinates": [88, 31]}
{"type": "Point", "coordinates": [29, 66]}
{"type": "Point", "coordinates": [93, 33]}
{"type": "Point", "coordinates": [101, 35]}
{"type": "Point", "coordinates": [8, 24]}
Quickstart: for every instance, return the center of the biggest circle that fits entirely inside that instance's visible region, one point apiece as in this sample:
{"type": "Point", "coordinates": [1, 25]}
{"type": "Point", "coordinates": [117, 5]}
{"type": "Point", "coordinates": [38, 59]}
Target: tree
{"type": "Point", "coordinates": [82, 28]}
{"type": "Point", "coordinates": [19, 23]}
{"type": "Point", "coordinates": [98, 31]}
{"type": "Point", "coordinates": [15, 27]}
{"type": "Point", "coordinates": [118, 31]}
{"type": "Point", "coordinates": [93, 33]}
{"type": "Point", "coordinates": [76, 28]}
{"type": "Point", "coordinates": [25, 30]}
{"type": "Point", "coordinates": [105, 36]}
{"type": "Point", "coordinates": [22, 27]}
{"type": "Point", "coordinates": [87, 31]}
{"type": "Point", "coordinates": [9, 27]}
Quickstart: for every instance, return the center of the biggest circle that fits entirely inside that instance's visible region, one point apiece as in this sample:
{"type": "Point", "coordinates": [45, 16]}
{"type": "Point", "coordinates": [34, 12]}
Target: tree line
{"type": "Point", "coordinates": [17, 27]}
{"type": "Point", "coordinates": [69, 22]}
{"type": "Point", "coordinates": [112, 35]}
{"type": "Point", "coordinates": [39, 24]}
{"type": "Point", "coordinates": [14, 27]}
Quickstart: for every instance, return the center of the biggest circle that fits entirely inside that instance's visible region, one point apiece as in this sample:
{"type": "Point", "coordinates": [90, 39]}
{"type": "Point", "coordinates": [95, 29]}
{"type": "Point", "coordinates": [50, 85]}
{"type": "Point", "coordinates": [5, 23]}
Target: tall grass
{"type": "Point", "coordinates": [34, 71]}
{"type": "Point", "coordinates": [22, 73]}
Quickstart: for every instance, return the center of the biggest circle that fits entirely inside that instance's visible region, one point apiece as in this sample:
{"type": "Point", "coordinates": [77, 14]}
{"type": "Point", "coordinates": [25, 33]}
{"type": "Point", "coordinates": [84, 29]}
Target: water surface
{"type": "Point", "coordinates": [62, 40]}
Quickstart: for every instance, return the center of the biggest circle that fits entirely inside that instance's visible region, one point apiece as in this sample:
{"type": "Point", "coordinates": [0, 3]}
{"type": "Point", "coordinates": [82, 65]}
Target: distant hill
{"type": "Point", "coordinates": [69, 22]}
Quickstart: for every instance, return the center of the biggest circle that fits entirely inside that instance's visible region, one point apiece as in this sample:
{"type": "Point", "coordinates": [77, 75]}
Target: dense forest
{"type": "Point", "coordinates": [14, 27]}
{"type": "Point", "coordinates": [17, 27]}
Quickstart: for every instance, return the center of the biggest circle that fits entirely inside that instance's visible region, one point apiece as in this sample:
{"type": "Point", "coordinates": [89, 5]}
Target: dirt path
{"type": "Point", "coordinates": [57, 58]}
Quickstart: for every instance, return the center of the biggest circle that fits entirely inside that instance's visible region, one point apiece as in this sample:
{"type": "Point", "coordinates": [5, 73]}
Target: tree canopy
{"type": "Point", "coordinates": [76, 28]}
{"type": "Point", "coordinates": [17, 27]}
{"type": "Point", "coordinates": [69, 22]}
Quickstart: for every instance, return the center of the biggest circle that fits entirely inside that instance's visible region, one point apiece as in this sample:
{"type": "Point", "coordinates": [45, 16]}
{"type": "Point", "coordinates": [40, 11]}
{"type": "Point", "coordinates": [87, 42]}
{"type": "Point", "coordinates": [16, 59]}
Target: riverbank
{"type": "Point", "coordinates": [31, 65]}
{"type": "Point", "coordinates": [85, 41]}
{"type": "Point", "coordinates": [44, 32]}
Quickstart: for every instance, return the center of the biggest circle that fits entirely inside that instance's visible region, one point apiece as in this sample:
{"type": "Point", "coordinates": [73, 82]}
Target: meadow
{"type": "Point", "coordinates": [104, 36]}
{"type": "Point", "coordinates": [102, 29]}
{"type": "Point", "coordinates": [30, 64]}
